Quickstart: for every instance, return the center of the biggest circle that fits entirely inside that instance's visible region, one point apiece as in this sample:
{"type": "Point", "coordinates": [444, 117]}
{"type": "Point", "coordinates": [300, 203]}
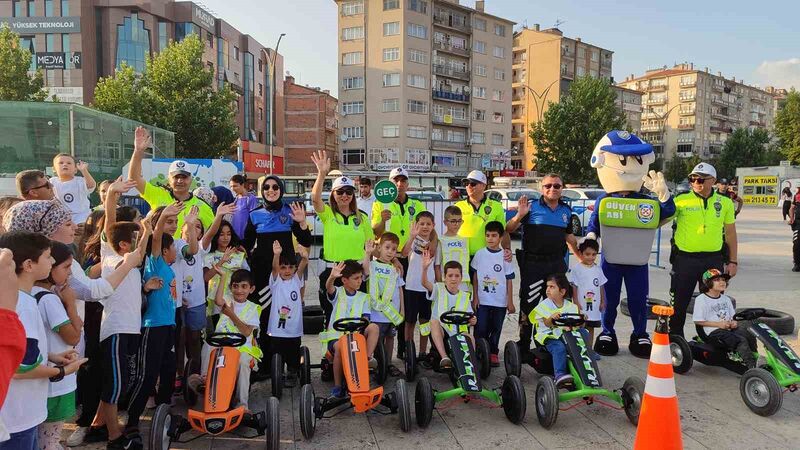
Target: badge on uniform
{"type": "Point", "coordinates": [564, 218]}
{"type": "Point", "coordinates": [356, 222]}
{"type": "Point", "coordinates": [717, 207]}
{"type": "Point", "coordinates": [487, 209]}
{"type": "Point", "coordinates": [411, 211]}
{"type": "Point", "coordinates": [283, 219]}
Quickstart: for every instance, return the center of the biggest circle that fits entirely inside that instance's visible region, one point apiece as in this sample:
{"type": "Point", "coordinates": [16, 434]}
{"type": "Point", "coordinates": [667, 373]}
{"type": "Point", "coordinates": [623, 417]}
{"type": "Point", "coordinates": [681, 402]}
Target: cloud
{"type": "Point", "coordinates": [782, 73]}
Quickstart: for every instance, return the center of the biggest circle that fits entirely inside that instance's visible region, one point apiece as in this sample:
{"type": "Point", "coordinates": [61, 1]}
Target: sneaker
{"type": "Point", "coordinates": [337, 392]}
{"type": "Point", "coordinates": [563, 379]}
{"type": "Point", "coordinates": [124, 443]}
{"type": "Point", "coordinates": [796, 268]}
{"type": "Point", "coordinates": [96, 434]}
{"type": "Point", "coordinates": [78, 436]}
{"type": "Point", "coordinates": [445, 363]}
{"type": "Point", "coordinates": [373, 363]}
{"type": "Point", "coordinates": [494, 360]}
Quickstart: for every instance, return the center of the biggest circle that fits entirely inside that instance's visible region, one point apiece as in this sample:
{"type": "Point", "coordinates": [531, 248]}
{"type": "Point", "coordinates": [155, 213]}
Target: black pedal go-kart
{"type": "Point", "coordinates": [587, 384]}
{"type": "Point", "coordinates": [352, 349]}
{"type": "Point", "coordinates": [466, 380]}
{"type": "Point", "coordinates": [762, 387]}
{"type": "Point", "coordinates": [481, 354]}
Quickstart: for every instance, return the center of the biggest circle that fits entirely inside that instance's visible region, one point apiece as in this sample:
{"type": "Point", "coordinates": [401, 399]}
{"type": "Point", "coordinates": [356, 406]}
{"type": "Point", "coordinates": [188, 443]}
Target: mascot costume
{"type": "Point", "coordinates": [626, 221]}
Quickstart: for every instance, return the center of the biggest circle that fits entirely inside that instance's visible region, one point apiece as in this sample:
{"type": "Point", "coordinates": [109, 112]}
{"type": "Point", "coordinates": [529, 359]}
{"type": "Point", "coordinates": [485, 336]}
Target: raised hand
{"type": "Point", "coordinates": [172, 209]}
{"type": "Point", "coordinates": [141, 140]}
{"type": "Point", "coordinates": [523, 207]}
{"type": "Point", "coordinates": [225, 209]}
{"type": "Point", "coordinates": [322, 161]}
{"type": "Point", "coordinates": [153, 284]}
{"type": "Point", "coordinates": [120, 186]}
{"type": "Point", "coordinates": [276, 247]}
{"type": "Point", "coordinates": [369, 247]}
{"type": "Point", "coordinates": [336, 271]}
{"type": "Point", "coordinates": [298, 212]}
{"type": "Point", "coordinates": [82, 166]}
{"type": "Point", "coordinates": [191, 216]}
{"type": "Point", "coordinates": [8, 279]}
{"type": "Point", "coordinates": [134, 259]}
{"type": "Point", "coordinates": [655, 183]}
{"type": "Point", "coordinates": [427, 259]}
{"type": "Point", "coordinates": [226, 256]}
{"type": "Point", "coordinates": [385, 215]}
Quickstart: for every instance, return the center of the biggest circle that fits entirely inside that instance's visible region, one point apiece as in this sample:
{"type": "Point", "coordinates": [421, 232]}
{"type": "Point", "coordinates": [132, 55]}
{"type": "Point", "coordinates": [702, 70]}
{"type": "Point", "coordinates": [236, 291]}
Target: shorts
{"type": "Point", "coordinates": [61, 408]}
{"type": "Point", "coordinates": [118, 365]}
{"type": "Point", "coordinates": [592, 323]}
{"type": "Point", "coordinates": [386, 329]}
{"type": "Point", "coordinates": [417, 305]}
{"type": "Point", "coordinates": [194, 318]}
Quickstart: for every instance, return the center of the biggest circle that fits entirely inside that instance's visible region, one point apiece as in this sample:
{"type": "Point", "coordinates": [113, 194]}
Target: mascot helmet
{"type": "Point", "coordinates": [625, 170]}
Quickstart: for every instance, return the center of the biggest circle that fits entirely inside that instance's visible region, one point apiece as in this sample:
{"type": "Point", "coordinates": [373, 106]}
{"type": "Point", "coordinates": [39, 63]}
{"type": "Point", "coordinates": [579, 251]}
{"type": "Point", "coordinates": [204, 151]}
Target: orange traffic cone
{"type": "Point", "coordinates": [659, 420]}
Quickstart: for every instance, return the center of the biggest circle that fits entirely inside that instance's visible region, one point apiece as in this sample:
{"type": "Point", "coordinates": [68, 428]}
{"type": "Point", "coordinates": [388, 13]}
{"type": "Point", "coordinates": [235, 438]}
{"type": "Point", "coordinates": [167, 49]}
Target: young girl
{"type": "Point", "coordinates": [56, 304]}
{"type": "Point", "coordinates": [227, 256]}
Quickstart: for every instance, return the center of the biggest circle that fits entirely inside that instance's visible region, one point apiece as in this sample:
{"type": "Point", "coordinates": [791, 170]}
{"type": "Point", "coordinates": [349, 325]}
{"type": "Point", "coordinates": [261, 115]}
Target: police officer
{"type": "Point", "coordinates": [724, 188]}
{"type": "Point", "coordinates": [703, 219]}
{"type": "Point", "coordinates": [477, 210]}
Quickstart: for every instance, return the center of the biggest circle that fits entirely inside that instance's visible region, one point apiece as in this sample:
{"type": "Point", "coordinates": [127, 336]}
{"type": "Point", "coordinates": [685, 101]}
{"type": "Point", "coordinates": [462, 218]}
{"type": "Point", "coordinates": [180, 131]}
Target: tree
{"type": "Point", "coordinates": [743, 148]}
{"type": "Point", "coordinates": [15, 82]}
{"type": "Point", "coordinates": [677, 168]}
{"type": "Point", "coordinates": [175, 92]}
{"type": "Point", "coordinates": [569, 130]}
{"type": "Point", "coordinates": [787, 127]}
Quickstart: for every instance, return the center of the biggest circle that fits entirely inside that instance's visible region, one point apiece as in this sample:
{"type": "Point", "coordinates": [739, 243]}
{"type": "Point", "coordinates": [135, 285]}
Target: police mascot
{"type": "Point", "coordinates": [626, 221]}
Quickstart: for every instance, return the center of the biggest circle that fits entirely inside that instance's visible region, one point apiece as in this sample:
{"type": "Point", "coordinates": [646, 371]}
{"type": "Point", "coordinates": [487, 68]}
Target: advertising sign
{"type": "Point", "coordinates": [760, 190]}
{"type": "Point", "coordinates": [205, 172]}
{"type": "Point", "coordinates": [66, 94]}
{"type": "Point", "coordinates": [37, 25]}
{"type": "Point", "coordinates": [58, 60]}
{"type": "Point", "coordinates": [203, 18]}
{"type": "Point", "coordinates": [256, 162]}
{"type": "Point", "coordinates": [411, 167]}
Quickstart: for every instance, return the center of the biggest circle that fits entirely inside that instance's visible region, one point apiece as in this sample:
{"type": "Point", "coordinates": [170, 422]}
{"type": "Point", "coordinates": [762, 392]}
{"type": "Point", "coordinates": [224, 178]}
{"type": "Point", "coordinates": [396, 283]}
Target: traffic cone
{"type": "Point", "coordinates": [659, 420]}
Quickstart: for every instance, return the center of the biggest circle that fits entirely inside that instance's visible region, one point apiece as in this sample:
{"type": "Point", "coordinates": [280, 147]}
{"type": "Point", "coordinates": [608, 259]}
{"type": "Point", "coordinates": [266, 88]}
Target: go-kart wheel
{"type": "Point", "coordinates": [159, 430]}
{"type": "Point", "coordinates": [273, 432]}
{"type": "Point", "coordinates": [403, 404]}
{"type": "Point", "coordinates": [761, 392]}
{"type": "Point", "coordinates": [277, 375]}
{"type": "Point", "coordinates": [514, 402]}
{"type": "Point", "coordinates": [482, 355]}
{"type": "Point", "coordinates": [632, 394]}
{"type": "Point", "coordinates": [682, 358]}
{"type": "Point", "coordinates": [382, 372]}
{"type": "Point", "coordinates": [546, 401]}
{"type": "Point", "coordinates": [189, 395]}
{"type": "Point", "coordinates": [308, 421]}
{"type": "Point", "coordinates": [305, 366]}
{"type": "Point", "coordinates": [423, 402]}
{"type": "Point", "coordinates": [511, 359]}
{"type": "Point", "coordinates": [411, 360]}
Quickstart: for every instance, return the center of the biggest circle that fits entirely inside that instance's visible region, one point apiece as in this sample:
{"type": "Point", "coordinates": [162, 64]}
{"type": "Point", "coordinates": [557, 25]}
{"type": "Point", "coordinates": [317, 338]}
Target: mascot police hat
{"type": "Point", "coordinates": [620, 143]}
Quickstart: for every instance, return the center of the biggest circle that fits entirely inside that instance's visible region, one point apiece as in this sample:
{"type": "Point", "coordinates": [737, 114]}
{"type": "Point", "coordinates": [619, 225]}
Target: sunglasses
{"type": "Point", "coordinates": [345, 191]}
{"type": "Point", "coordinates": [697, 180]}
{"type": "Point", "coordinates": [471, 183]}
{"type": "Point", "coordinates": [45, 185]}
{"type": "Point", "coordinates": [274, 187]}
{"type": "Point", "coordinates": [555, 186]}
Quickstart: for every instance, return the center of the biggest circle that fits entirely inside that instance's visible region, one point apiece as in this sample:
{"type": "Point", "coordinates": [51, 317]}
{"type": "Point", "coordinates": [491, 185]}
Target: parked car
{"type": "Point", "coordinates": [582, 201]}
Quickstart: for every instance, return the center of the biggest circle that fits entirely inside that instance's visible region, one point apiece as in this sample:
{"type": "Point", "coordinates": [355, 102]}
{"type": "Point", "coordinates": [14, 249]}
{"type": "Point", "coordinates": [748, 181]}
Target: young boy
{"type": "Point", "coordinates": [446, 297]}
{"type": "Point", "coordinates": [417, 305]}
{"type": "Point", "coordinates": [285, 326]}
{"type": "Point", "coordinates": [385, 293]}
{"type": "Point", "coordinates": [25, 406]}
{"type": "Point", "coordinates": [71, 190]}
{"type": "Point", "coordinates": [713, 310]}
{"type": "Point", "coordinates": [348, 302]}
{"type": "Point", "coordinates": [587, 287]}
{"type": "Point", "coordinates": [492, 287]}
{"type": "Point", "coordinates": [452, 247]}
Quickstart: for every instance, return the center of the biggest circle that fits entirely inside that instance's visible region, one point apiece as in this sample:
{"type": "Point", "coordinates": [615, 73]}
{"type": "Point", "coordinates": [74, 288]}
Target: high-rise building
{"type": "Point", "coordinates": [692, 112]}
{"type": "Point", "coordinates": [425, 84]}
{"type": "Point", "coordinates": [629, 101]}
{"type": "Point", "coordinates": [311, 125]}
{"type": "Point", "coordinates": [545, 63]}
{"type": "Point", "coordinates": [779, 96]}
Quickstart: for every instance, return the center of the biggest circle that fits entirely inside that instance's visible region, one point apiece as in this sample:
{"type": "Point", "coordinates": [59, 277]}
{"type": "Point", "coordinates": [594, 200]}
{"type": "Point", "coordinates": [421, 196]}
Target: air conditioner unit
{"type": "Point", "coordinates": [343, 137]}
{"type": "Point", "coordinates": [344, 113]}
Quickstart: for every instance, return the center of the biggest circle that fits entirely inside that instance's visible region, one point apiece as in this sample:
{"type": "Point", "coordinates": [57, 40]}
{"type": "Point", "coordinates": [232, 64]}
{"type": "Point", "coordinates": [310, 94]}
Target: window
{"type": "Point", "coordinates": [48, 8]}
{"type": "Point", "coordinates": [418, 56]}
{"type": "Point", "coordinates": [593, 73]}
{"type": "Point", "coordinates": [351, 33]}
{"type": "Point", "coordinates": [391, 54]}
{"type": "Point", "coordinates": [418, 107]}
{"type": "Point", "coordinates": [480, 70]}
{"type": "Point", "coordinates": [354, 132]}
{"type": "Point", "coordinates": [353, 107]}
{"type": "Point", "coordinates": [479, 24]}
{"type": "Point", "coordinates": [479, 92]}
{"type": "Point", "coordinates": [499, 30]}
{"type": "Point", "coordinates": [497, 117]}
{"type": "Point", "coordinates": [17, 10]}
{"type": "Point", "coordinates": [390, 4]}
{"type": "Point", "coordinates": [479, 115]}
{"type": "Point", "coordinates": [595, 55]}
{"type": "Point", "coordinates": [353, 83]}
{"type": "Point", "coordinates": [352, 58]}
{"type": "Point", "coordinates": [497, 95]}
{"type": "Point", "coordinates": [236, 53]}
{"type": "Point", "coordinates": [391, 28]}
{"type": "Point", "coordinates": [420, 6]}
{"type": "Point", "coordinates": [391, 131]}
{"type": "Point", "coordinates": [581, 71]}
{"type": "Point", "coordinates": [260, 89]}
{"type": "Point", "coordinates": [133, 43]}
{"type": "Point", "coordinates": [581, 53]}
{"type": "Point", "coordinates": [499, 52]}
{"type": "Point", "coordinates": [353, 8]}
{"type": "Point", "coordinates": [31, 9]}
{"type": "Point", "coordinates": [478, 138]}
{"type": "Point", "coordinates": [417, 81]}
{"type": "Point", "coordinates": [64, 8]}
{"type": "Point", "coordinates": [499, 74]}
{"type": "Point", "coordinates": [479, 47]}
{"type": "Point", "coordinates": [260, 113]}
{"type": "Point", "coordinates": [391, 105]}
{"type": "Point", "coordinates": [497, 139]}
{"type": "Point", "coordinates": [417, 31]}
{"type": "Point", "coordinates": [391, 79]}
{"type": "Point", "coordinates": [163, 38]}
{"type": "Point", "coordinates": [417, 132]}
{"type": "Point", "coordinates": [353, 156]}
{"type": "Point", "coordinates": [65, 44]}
{"type": "Point", "coordinates": [260, 65]}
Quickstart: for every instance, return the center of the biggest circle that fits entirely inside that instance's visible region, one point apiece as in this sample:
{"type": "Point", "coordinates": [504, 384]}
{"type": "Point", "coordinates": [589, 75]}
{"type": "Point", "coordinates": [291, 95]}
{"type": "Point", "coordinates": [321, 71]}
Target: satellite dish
{"type": "Point", "coordinates": [344, 113]}
{"type": "Point", "coordinates": [343, 137]}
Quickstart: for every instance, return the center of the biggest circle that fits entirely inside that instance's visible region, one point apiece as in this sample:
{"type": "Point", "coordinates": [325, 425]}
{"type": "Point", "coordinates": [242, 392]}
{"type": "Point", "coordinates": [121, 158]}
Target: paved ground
{"type": "Point", "coordinates": [712, 412]}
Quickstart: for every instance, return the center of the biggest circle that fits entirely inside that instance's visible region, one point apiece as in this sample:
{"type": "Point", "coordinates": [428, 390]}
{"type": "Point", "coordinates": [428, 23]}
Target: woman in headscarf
{"type": "Point", "coordinates": [222, 195]}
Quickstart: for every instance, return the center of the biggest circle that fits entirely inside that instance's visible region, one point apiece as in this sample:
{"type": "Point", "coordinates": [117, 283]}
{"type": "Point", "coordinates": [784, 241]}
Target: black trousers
{"type": "Point", "coordinates": [686, 275]}
{"type": "Point", "coordinates": [796, 240]}
{"type": "Point", "coordinates": [155, 362]}
{"type": "Point", "coordinates": [90, 375]}
{"type": "Point", "coordinates": [288, 348]}
{"type": "Point", "coordinates": [739, 340]}
{"type": "Point", "coordinates": [785, 207]}
{"type": "Point", "coordinates": [534, 272]}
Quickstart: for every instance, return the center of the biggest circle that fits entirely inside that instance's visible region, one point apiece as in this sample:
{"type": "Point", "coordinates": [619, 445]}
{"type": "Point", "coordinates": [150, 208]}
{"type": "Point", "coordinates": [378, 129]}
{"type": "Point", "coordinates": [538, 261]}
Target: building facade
{"type": "Point", "coordinates": [629, 101]}
{"type": "Point", "coordinates": [545, 62]}
{"type": "Point", "coordinates": [690, 112]}
{"type": "Point", "coordinates": [425, 84]}
{"type": "Point", "coordinates": [311, 125]}
{"type": "Point", "coordinates": [76, 42]}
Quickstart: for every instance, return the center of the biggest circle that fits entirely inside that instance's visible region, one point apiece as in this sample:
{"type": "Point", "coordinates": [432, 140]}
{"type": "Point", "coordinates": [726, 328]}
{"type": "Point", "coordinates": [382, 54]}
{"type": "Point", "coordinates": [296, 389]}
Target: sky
{"type": "Point", "coordinates": [758, 42]}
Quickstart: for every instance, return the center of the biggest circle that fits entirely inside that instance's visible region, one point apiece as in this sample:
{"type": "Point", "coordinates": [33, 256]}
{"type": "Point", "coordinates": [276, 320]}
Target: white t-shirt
{"type": "Point", "coordinates": [439, 308]}
{"type": "Point", "coordinates": [710, 309]}
{"type": "Point", "coordinates": [75, 195]}
{"type": "Point", "coordinates": [26, 403]}
{"type": "Point", "coordinates": [589, 281]}
{"type": "Point", "coordinates": [492, 271]}
{"type": "Point", "coordinates": [286, 310]}
{"type": "Point", "coordinates": [54, 316]}
{"type": "Point", "coordinates": [122, 310]}
{"type": "Point", "coordinates": [238, 261]}
{"type": "Point", "coordinates": [194, 287]}
{"type": "Point", "coordinates": [365, 204]}
{"type": "Point", "coordinates": [414, 275]}
{"type": "Point", "coordinates": [377, 316]}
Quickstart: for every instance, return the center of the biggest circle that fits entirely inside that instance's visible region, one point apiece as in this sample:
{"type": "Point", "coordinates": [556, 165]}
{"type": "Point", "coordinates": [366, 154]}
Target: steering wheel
{"type": "Point", "coordinates": [749, 314]}
{"type": "Point", "coordinates": [226, 340]}
{"type": "Point", "coordinates": [350, 324]}
{"type": "Point", "coordinates": [570, 320]}
{"type": "Point", "coordinates": [456, 317]}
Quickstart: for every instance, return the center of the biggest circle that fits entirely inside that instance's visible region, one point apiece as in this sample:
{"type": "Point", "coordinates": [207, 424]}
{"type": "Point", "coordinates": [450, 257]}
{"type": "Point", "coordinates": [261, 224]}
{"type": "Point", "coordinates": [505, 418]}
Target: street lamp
{"type": "Point", "coordinates": [271, 129]}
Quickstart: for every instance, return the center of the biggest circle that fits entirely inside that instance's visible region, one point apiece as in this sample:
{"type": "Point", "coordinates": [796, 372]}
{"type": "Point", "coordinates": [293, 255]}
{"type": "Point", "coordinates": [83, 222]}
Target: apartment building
{"type": "Point", "coordinates": [690, 112]}
{"type": "Point", "coordinates": [629, 101]}
{"type": "Point", "coordinates": [779, 96]}
{"type": "Point", "coordinates": [545, 62]}
{"type": "Point", "coordinates": [311, 125]}
{"type": "Point", "coordinates": [425, 84]}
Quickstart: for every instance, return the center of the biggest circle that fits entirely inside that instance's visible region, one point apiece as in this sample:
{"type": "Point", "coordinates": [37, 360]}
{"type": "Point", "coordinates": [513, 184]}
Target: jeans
{"type": "Point", "coordinates": [22, 440]}
{"type": "Point", "coordinates": [490, 325]}
{"type": "Point", "coordinates": [558, 351]}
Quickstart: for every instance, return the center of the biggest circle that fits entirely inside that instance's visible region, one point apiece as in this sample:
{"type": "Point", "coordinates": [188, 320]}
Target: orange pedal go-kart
{"type": "Point", "coordinates": [217, 415]}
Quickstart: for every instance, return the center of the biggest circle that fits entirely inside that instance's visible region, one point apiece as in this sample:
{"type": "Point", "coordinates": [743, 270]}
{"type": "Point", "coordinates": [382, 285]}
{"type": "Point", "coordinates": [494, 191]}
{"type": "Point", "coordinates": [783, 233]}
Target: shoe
{"type": "Point", "coordinates": [494, 360]}
{"type": "Point", "coordinates": [373, 363]}
{"type": "Point", "coordinates": [151, 403]}
{"type": "Point", "coordinates": [563, 379]}
{"type": "Point", "coordinates": [78, 436]}
{"type": "Point", "coordinates": [96, 434]}
{"type": "Point", "coordinates": [606, 344]}
{"type": "Point", "coordinates": [640, 346]}
{"type": "Point", "coordinates": [338, 392]}
{"type": "Point", "coordinates": [796, 269]}
{"type": "Point", "coordinates": [425, 360]}
{"type": "Point", "coordinates": [445, 363]}
{"type": "Point", "coordinates": [124, 443]}
{"type": "Point", "coordinates": [196, 383]}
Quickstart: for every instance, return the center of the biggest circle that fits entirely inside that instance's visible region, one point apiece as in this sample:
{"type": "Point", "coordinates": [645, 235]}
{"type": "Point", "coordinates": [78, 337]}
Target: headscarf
{"type": "Point", "coordinates": [277, 204]}
{"type": "Point", "coordinates": [205, 194]}
{"type": "Point", "coordinates": [38, 216]}
{"type": "Point", "coordinates": [224, 195]}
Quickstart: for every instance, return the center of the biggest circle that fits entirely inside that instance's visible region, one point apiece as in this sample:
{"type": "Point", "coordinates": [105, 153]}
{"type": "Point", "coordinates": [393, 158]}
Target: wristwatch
{"type": "Point", "coordinates": [60, 375]}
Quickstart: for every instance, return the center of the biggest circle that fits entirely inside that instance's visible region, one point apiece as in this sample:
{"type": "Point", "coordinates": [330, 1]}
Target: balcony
{"type": "Point", "coordinates": [651, 128]}
{"type": "Point", "coordinates": [685, 139]}
{"type": "Point", "coordinates": [450, 96]}
{"type": "Point", "coordinates": [566, 73]}
{"type": "Point", "coordinates": [758, 99]}
{"type": "Point", "coordinates": [690, 83]}
{"type": "Point", "coordinates": [685, 126]}
{"type": "Point", "coordinates": [606, 64]}
{"type": "Point", "coordinates": [686, 98]}
{"type": "Point", "coordinates": [450, 72]}
{"type": "Point", "coordinates": [651, 115]}
{"type": "Point", "coordinates": [655, 140]}
{"type": "Point", "coordinates": [450, 48]}
{"type": "Point", "coordinates": [686, 112]}
{"type": "Point", "coordinates": [688, 154]}
{"type": "Point", "coordinates": [449, 22]}
{"type": "Point", "coordinates": [717, 129]}
{"type": "Point", "coordinates": [656, 101]}
{"type": "Point", "coordinates": [567, 53]}
{"type": "Point", "coordinates": [717, 86]}
{"type": "Point", "coordinates": [657, 87]}
{"type": "Point", "coordinates": [449, 145]}
{"type": "Point", "coordinates": [758, 123]}
{"type": "Point", "coordinates": [449, 120]}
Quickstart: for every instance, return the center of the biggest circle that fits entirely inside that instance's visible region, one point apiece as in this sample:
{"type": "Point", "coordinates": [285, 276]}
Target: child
{"type": "Point", "coordinates": [452, 247]}
{"type": "Point", "coordinates": [587, 288]}
{"type": "Point", "coordinates": [446, 297]}
{"type": "Point", "coordinates": [71, 190]}
{"type": "Point", "coordinates": [417, 305]}
{"type": "Point", "coordinates": [63, 325]}
{"type": "Point", "coordinates": [25, 406]}
{"type": "Point", "coordinates": [348, 302]}
{"type": "Point", "coordinates": [548, 333]}
{"type": "Point", "coordinates": [492, 287]}
{"type": "Point", "coordinates": [385, 293]}
{"type": "Point", "coordinates": [713, 310]}
{"type": "Point", "coordinates": [286, 316]}
{"type": "Point", "coordinates": [226, 256]}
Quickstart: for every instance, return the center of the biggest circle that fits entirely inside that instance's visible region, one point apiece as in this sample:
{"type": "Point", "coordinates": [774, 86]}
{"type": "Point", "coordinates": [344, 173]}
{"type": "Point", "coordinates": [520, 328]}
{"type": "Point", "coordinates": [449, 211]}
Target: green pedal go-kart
{"type": "Point", "coordinates": [466, 381]}
{"type": "Point", "coordinates": [761, 387]}
{"type": "Point", "coordinates": [587, 384]}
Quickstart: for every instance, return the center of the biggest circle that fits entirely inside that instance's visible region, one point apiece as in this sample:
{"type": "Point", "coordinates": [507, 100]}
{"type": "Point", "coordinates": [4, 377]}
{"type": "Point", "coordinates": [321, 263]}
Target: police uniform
{"type": "Point", "coordinates": [475, 220]}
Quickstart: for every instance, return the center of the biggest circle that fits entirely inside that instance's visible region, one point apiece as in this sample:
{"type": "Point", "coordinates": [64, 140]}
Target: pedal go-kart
{"type": "Point", "coordinates": [466, 381]}
{"type": "Point", "coordinates": [762, 387]}
{"type": "Point", "coordinates": [481, 353]}
{"type": "Point", "coordinates": [352, 348]}
{"type": "Point", "coordinates": [217, 415]}
{"type": "Point", "coordinates": [587, 384]}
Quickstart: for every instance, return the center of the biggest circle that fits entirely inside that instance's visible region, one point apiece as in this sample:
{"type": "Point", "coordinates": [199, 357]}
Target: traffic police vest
{"type": "Point", "coordinates": [226, 325]}
{"type": "Point", "coordinates": [402, 216]}
{"type": "Point", "coordinates": [475, 220]}
{"type": "Point", "coordinates": [441, 304]}
{"type": "Point", "coordinates": [542, 309]}
{"type": "Point", "coordinates": [381, 299]}
{"type": "Point", "coordinates": [700, 222]}
{"type": "Point", "coordinates": [346, 307]}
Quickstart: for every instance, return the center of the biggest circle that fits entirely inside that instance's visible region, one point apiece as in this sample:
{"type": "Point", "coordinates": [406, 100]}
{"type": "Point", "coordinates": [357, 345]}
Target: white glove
{"type": "Point", "coordinates": [654, 182]}
{"type": "Point", "coordinates": [591, 235]}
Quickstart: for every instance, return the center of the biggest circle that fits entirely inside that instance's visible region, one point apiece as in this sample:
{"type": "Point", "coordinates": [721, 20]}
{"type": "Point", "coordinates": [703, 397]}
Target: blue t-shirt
{"type": "Point", "coordinates": [160, 302]}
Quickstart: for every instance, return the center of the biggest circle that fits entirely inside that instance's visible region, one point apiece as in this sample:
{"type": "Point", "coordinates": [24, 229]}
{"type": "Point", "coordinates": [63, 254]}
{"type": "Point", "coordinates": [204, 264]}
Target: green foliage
{"type": "Point", "coordinates": [15, 83]}
{"type": "Point", "coordinates": [744, 148]}
{"type": "Point", "coordinates": [175, 92]}
{"type": "Point", "coordinates": [677, 168]}
{"type": "Point", "coordinates": [569, 130]}
{"type": "Point", "coordinates": [787, 127]}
